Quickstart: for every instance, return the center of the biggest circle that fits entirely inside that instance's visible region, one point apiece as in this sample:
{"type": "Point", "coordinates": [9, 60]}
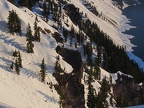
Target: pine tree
{"type": "Point", "coordinates": [57, 66]}
{"type": "Point", "coordinates": [65, 34]}
{"type": "Point", "coordinates": [29, 33]}
{"type": "Point", "coordinates": [17, 24]}
{"type": "Point", "coordinates": [43, 71]}
{"type": "Point", "coordinates": [36, 32]}
{"type": "Point", "coordinates": [72, 32]}
{"type": "Point", "coordinates": [10, 22]}
{"type": "Point", "coordinates": [30, 38]}
{"type": "Point", "coordinates": [17, 67]}
{"type": "Point", "coordinates": [30, 46]}
{"type": "Point", "coordinates": [14, 23]}
{"type": "Point", "coordinates": [15, 53]}
{"type": "Point", "coordinates": [103, 93]}
{"type": "Point", "coordinates": [19, 59]}
{"type": "Point", "coordinates": [44, 8]}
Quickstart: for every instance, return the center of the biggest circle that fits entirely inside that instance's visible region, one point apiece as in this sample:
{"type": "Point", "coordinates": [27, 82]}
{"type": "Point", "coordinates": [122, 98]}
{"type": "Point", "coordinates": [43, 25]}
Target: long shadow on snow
{"type": "Point", "coordinates": [3, 26]}
{"type": "Point", "coordinates": [28, 73]}
{"type": "Point", "coordinates": [7, 62]}
{"type": "Point", "coordinates": [12, 43]}
{"type": "Point", "coordinates": [47, 97]}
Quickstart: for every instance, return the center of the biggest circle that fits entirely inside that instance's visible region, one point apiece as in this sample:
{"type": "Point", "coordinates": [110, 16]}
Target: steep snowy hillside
{"type": "Point", "coordinates": [114, 24]}
{"type": "Point", "coordinates": [76, 56]}
{"type": "Point", "coordinates": [109, 11]}
{"type": "Point", "coordinates": [27, 90]}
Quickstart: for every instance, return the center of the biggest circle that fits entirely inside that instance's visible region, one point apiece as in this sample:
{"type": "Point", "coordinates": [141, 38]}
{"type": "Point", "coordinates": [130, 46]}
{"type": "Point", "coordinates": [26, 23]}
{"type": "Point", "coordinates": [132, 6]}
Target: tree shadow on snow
{"type": "Point", "coordinates": [12, 43]}
{"type": "Point", "coordinates": [47, 97]}
{"type": "Point", "coordinates": [1, 106]}
{"type": "Point", "coordinates": [3, 26]}
{"type": "Point", "coordinates": [7, 66]}
{"type": "Point", "coordinates": [28, 72]}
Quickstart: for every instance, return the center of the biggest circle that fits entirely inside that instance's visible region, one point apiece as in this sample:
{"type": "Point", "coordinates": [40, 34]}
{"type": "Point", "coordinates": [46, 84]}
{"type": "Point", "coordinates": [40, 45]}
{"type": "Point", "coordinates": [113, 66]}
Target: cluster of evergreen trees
{"type": "Point", "coordinates": [18, 62]}
{"type": "Point", "coordinates": [114, 57]}
{"type": "Point", "coordinates": [14, 25]}
{"type": "Point", "coordinates": [98, 100]}
{"type": "Point", "coordinates": [50, 7]}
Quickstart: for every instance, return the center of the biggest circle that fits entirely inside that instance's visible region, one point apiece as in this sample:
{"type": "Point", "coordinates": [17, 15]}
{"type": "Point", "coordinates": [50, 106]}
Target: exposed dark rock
{"type": "Point", "coordinates": [70, 84]}
{"type": "Point", "coordinates": [127, 92]}
{"type": "Point", "coordinates": [73, 13]}
{"type": "Point", "coordinates": [47, 30]}
{"type": "Point", "coordinates": [41, 30]}
{"type": "Point", "coordinates": [58, 37]}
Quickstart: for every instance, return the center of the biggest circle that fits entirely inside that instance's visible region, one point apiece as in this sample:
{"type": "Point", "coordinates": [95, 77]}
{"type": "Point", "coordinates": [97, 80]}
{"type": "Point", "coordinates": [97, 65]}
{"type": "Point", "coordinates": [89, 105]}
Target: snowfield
{"type": "Point", "coordinates": [26, 90]}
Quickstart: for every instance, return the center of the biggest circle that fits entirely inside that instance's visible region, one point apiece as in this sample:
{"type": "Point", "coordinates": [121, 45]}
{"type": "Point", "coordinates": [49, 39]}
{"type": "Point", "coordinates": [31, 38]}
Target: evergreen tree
{"type": "Point", "coordinates": [30, 38]}
{"type": "Point", "coordinates": [30, 46]}
{"type": "Point", "coordinates": [44, 9]}
{"type": "Point", "coordinates": [14, 23]}
{"type": "Point", "coordinates": [72, 32]}
{"type": "Point", "coordinates": [103, 93]}
{"type": "Point", "coordinates": [17, 67]}
{"type": "Point", "coordinates": [15, 53]}
{"type": "Point", "coordinates": [57, 66]}
{"type": "Point", "coordinates": [43, 70]}
{"type": "Point", "coordinates": [19, 59]}
{"type": "Point", "coordinates": [36, 32]}
{"type": "Point", "coordinates": [29, 33]}
{"type": "Point", "coordinates": [11, 26]}
{"type": "Point", "coordinates": [97, 73]}
{"type": "Point", "coordinates": [18, 24]}
{"type": "Point", "coordinates": [65, 34]}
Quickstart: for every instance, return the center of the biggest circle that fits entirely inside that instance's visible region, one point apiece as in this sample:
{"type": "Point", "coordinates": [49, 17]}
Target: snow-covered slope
{"type": "Point", "coordinates": [27, 90]}
{"type": "Point", "coordinates": [121, 23]}
{"type": "Point", "coordinates": [105, 7]}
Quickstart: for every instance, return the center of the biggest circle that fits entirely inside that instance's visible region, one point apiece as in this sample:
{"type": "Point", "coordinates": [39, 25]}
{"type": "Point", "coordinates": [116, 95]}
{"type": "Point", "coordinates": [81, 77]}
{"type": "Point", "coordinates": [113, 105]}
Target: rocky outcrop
{"type": "Point", "coordinates": [58, 37]}
{"type": "Point", "coordinates": [70, 84]}
{"type": "Point", "coordinates": [127, 92]}
{"type": "Point", "coordinates": [73, 13]}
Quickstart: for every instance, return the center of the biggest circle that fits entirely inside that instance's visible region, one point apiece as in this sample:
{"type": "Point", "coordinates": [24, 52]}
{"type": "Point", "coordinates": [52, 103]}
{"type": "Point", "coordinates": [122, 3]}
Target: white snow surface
{"type": "Point", "coordinates": [26, 90]}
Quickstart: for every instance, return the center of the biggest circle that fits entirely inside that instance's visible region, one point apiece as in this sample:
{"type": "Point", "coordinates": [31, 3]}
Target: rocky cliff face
{"type": "Point", "coordinates": [73, 13]}
{"type": "Point", "coordinates": [127, 92]}
{"type": "Point", "coordinates": [70, 84]}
